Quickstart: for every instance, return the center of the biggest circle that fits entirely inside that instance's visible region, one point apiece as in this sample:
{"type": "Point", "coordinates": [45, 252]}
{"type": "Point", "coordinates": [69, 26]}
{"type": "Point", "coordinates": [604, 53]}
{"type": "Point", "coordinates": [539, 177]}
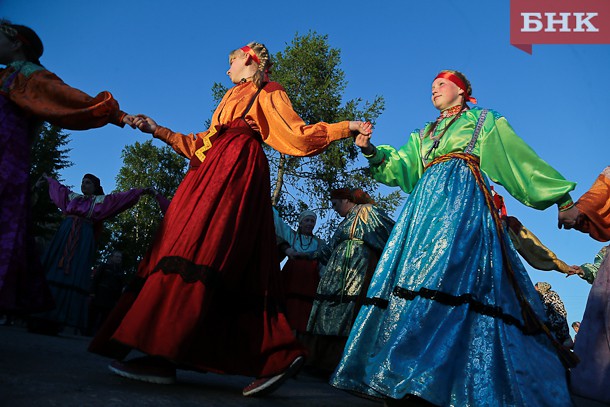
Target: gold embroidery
{"type": "Point", "coordinates": [207, 144]}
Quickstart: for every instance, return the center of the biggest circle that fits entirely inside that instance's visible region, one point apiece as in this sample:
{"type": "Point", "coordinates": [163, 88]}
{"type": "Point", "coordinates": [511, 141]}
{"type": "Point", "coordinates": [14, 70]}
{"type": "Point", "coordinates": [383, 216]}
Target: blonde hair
{"type": "Point", "coordinates": [264, 67]}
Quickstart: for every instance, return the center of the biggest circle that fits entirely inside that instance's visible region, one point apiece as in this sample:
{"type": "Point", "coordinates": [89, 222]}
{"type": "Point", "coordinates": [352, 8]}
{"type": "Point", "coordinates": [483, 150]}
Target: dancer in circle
{"type": "Point", "coordinates": [212, 273]}
{"type": "Point", "coordinates": [30, 95]}
{"type": "Point", "coordinates": [451, 316]}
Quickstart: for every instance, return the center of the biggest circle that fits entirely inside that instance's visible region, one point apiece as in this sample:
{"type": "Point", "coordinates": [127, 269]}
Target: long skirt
{"type": "Point", "coordinates": [441, 320]}
{"type": "Point", "coordinates": [22, 284]}
{"type": "Point", "coordinates": [68, 264]}
{"type": "Point", "coordinates": [301, 278]}
{"type": "Point", "coordinates": [591, 378]}
{"type": "Point", "coordinates": [212, 292]}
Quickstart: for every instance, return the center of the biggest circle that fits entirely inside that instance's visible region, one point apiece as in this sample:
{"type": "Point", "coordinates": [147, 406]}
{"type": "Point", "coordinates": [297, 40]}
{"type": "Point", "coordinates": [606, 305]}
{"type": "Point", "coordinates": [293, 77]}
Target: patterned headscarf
{"type": "Point", "coordinates": [307, 213]}
{"type": "Point", "coordinates": [543, 287]}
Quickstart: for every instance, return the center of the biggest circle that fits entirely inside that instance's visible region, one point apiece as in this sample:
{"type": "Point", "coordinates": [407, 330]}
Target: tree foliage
{"type": "Point", "coordinates": [144, 165]}
{"type": "Point", "coordinates": [309, 69]}
{"type": "Point", "coordinates": [49, 155]}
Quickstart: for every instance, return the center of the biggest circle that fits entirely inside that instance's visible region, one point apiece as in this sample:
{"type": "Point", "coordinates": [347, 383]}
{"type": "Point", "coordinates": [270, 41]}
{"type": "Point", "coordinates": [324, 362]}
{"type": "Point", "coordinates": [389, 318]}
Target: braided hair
{"type": "Point", "coordinates": [260, 77]}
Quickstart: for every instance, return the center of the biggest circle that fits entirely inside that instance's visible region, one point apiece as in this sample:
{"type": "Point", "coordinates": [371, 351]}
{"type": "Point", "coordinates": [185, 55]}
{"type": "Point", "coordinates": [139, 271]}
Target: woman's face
{"type": "Point", "coordinates": [87, 187]}
{"type": "Point", "coordinates": [238, 69]}
{"type": "Point", "coordinates": [307, 224]}
{"type": "Point", "coordinates": [341, 206]}
{"type": "Point", "coordinates": [445, 94]}
{"type": "Point", "coordinates": [7, 49]}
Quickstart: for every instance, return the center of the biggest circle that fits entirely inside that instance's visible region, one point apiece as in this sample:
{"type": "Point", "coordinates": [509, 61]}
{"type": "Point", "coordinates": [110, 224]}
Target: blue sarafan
{"type": "Point", "coordinates": [443, 320]}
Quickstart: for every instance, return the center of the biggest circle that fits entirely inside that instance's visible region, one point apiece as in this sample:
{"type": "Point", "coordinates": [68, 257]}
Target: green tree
{"type": "Point", "coordinates": [144, 165]}
{"type": "Point", "coordinates": [309, 70]}
{"type": "Point", "coordinates": [49, 155]}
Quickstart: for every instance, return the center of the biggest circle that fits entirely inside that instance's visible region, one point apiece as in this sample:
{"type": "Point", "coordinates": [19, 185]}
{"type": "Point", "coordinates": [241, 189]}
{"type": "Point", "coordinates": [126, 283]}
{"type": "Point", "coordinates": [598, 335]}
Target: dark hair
{"type": "Point", "coordinates": [30, 41]}
{"type": "Point", "coordinates": [96, 181]}
{"type": "Point", "coordinates": [355, 195]}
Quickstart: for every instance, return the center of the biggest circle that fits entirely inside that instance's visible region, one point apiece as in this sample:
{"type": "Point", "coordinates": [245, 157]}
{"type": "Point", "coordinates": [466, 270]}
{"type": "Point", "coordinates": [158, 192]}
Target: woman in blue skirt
{"type": "Point", "coordinates": [451, 317]}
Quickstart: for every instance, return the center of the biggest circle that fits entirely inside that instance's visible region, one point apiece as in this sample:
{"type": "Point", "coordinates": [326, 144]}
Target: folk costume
{"type": "Point", "coordinates": [451, 315]}
{"type": "Point", "coordinates": [212, 274]}
{"type": "Point", "coordinates": [591, 378]}
{"type": "Point", "coordinates": [350, 259]}
{"type": "Point", "coordinates": [29, 95]}
{"type": "Point", "coordinates": [69, 259]}
{"type": "Point", "coordinates": [300, 276]}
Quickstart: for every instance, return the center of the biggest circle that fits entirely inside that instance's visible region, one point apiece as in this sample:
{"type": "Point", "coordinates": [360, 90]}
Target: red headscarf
{"type": "Point", "coordinates": [460, 84]}
{"type": "Point", "coordinates": [355, 195]}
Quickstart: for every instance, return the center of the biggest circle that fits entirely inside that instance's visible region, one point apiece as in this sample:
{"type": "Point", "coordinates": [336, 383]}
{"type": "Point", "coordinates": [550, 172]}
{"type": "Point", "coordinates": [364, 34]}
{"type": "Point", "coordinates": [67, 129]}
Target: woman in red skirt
{"type": "Point", "coordinates": [209, 296]}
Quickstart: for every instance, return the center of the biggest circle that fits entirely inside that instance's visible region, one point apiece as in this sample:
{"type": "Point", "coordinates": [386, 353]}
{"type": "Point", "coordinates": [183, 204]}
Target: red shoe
{"type": "Point", "coordinates": [267, 385]}
{"type": "Point", "coordinates": [145, 369]}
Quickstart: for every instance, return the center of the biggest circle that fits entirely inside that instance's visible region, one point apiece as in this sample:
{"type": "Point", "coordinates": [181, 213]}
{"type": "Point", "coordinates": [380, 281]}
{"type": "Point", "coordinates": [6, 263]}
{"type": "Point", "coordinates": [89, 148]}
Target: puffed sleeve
{"type": "Point", "coordinates": [283, 232]}
{"type": "Point", "coordinates": [44, 95]}
{"type": "Point", "coordinates": [401, 168]}
{"type": "Point", "coordinates": [59, 194]}
{"type": "Point", "coordinates": [116, 203]}
{"type": "Point", "coordinates": [509, 161]}
{"type": "Point", "coordinates": [183, 144]}
{"type": "Point", "coordinates": [595, 207]}
{"type": "Point", "coordinates": [285, 131]}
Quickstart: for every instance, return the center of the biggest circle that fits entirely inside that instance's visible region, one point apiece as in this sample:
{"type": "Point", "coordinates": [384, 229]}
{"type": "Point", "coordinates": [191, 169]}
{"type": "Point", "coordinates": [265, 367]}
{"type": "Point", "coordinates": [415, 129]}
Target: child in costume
{"type": "Point", "coordinates": [212, 274]}
{"type": "Point", "coordinates": [451, 316]}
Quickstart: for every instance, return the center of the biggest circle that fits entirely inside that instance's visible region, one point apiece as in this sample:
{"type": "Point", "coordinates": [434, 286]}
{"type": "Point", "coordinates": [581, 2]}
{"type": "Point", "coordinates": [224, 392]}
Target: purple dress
{"type": "Point", "coordinates": [29, 95]}
{"type": "Point", "coordinates": [22, 283]}
{"type": "Point", "coordinates": [69, 258]}
{"type": "Point", "coordinates": [591, 378]}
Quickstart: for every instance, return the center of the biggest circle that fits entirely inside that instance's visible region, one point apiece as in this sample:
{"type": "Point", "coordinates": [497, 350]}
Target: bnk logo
{"type": "Point", "coordinates": [559, 22]}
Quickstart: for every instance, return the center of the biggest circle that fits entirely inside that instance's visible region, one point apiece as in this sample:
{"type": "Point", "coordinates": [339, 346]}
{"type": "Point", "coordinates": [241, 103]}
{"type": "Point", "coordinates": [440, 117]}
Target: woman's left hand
{"type": "Point", "coordinates": [129, 120]}
{"type": "Point", "coordinates": [568, 219]}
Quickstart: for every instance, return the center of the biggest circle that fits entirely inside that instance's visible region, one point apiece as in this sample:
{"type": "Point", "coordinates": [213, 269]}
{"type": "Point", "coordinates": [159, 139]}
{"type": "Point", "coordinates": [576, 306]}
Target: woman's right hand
{"type": "Point", "coordinates": [363, 139]}
{"type": "Point", "coordinates": [145, 123]}
{"type": "Point", "coordinates": [575, 270]}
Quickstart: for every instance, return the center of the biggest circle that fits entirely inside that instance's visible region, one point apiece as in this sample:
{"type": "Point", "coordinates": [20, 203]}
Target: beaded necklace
{"type": "Point", "coordinates": [302, 244]}
{"type": "Point", "coordinates": [452, 111]}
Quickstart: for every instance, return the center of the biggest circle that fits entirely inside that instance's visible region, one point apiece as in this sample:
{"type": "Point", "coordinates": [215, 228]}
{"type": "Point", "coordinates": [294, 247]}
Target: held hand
{"type": "Point", "coordinates": [128, 120]}
{"type": "Point", "coordinates": [363, 138]}
{"type": "Point", "coordinates": [354, 125]}
{"type": "Point", "coordinates": [291, 253]}
{"type": "Point", "coordinates": [145, 123]}
{"type": "Point", "coordinates": [568, 219]}
{"type": "Point", "coordinates": [150, 191]}
{"type": "Point", "coordinates": [40, 182]}
{"type": "Point", "coordinates": [575, 270]}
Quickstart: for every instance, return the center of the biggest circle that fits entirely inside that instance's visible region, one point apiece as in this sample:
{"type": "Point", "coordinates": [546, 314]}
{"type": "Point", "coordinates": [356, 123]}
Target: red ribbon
{"type": "Point", "coordinates": [252, 54]}
{"type": "Point", "coordinates": [460, 84]}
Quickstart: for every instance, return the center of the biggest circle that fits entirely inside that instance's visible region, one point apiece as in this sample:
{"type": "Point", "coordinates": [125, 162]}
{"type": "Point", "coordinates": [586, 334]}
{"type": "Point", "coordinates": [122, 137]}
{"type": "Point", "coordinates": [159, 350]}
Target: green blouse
{"type": "Point", "coordinates": [591, 269]}
{"type": "Point", "coordinates": [505, 158]}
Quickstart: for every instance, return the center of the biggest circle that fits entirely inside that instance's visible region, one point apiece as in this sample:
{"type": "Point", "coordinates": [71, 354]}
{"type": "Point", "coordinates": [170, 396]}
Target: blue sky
{"type": "Point", "coordinates": [161, 58]}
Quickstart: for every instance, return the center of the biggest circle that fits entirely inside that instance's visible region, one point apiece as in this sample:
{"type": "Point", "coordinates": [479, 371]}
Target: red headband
{"type": "Point", "coordinates": [256, 59]}
{"type": "Point", "coordinates": [252, 54]}
{"type": "Point", "coordinates": [460, 84]}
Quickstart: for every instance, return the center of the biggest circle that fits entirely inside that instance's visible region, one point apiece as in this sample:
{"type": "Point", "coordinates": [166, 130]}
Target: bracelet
{"type": "Point", "coordinates": [373, 154]}
{"type": "Point", "coordinates": [566, 206]}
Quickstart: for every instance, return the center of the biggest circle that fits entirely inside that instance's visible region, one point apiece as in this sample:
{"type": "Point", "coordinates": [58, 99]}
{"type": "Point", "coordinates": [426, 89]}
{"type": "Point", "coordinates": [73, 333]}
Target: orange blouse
{"type": "Point", "coordinates": [271, 115]}
{"type": "Point", "coordinates": [41, 94]}
{"type": "Point", "coordinates": [595, 206]}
